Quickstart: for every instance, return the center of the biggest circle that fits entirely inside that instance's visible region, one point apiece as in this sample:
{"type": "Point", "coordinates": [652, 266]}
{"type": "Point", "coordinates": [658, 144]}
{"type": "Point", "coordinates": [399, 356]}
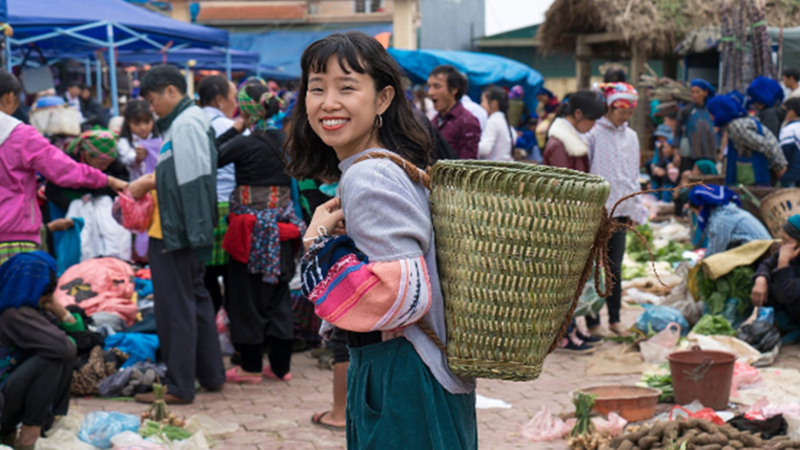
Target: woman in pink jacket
{"type": "Point", "coordinates": [23, 153]}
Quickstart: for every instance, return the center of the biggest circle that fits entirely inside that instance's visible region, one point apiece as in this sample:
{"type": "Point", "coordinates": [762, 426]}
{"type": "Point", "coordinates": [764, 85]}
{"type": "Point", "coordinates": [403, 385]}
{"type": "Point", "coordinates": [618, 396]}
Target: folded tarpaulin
{"type": "Point", "coordinates": [140, 347]}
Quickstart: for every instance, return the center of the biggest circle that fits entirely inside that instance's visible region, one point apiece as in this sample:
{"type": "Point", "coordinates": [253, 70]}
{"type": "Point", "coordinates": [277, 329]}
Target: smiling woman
{"type": "Point", "coordinates": [380, 280]}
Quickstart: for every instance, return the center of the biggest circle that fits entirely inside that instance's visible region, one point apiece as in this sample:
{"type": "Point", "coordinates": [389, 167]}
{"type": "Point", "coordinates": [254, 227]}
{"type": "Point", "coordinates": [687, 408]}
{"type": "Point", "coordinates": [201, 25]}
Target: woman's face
{"type": "Point", "coordinates": [9, 103]}
{"type": "Point", "coordinates": [100, 164]}
{"type": "Point", "coordinates": [786, 239]}
{"type": "Point", "coordinates": [488, 105]}
{"type": "Point", "coordinates": [342, 108]}
{"type": "Point", "coordinates": [618, 116]}
{"type": "Point", "coordinates": [699, 95]}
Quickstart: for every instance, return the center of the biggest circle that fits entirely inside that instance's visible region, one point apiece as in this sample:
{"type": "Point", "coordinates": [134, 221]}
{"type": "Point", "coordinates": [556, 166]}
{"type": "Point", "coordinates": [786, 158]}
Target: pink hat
{"type": "Point", "coordinates": [618, 95]}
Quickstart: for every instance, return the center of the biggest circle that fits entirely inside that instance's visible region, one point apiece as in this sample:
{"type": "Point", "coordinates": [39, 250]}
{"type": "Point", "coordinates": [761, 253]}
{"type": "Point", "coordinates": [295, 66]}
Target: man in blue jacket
{"type": "Point", "coordinates": [182, 237]}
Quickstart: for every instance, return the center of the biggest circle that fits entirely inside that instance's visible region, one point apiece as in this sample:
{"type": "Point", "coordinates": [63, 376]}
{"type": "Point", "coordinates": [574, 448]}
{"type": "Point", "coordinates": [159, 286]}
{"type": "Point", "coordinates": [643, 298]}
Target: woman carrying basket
{"type": "Point", "coordinates": [351, 106]}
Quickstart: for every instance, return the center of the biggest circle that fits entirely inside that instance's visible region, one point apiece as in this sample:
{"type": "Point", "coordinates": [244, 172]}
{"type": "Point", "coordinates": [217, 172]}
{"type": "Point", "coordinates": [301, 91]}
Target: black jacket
{"type": "Point", "coordinates": [257, 157]}
{"type": "Point", "coordinates": [784, 284]}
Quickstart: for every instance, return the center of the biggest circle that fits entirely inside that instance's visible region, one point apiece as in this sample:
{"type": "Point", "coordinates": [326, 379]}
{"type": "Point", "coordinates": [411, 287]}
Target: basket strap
{"type": "Point", "coordinates": [418, 176]}
{"type": "Point", "coordinates": [415, 173]}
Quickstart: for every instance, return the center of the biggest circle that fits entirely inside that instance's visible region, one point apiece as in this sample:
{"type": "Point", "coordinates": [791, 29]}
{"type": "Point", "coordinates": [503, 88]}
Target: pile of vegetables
{"type": "Point", "coordinates": [661, 382]}
{"type": "Point", "coordinates": [736, 285]}
{"type": "Point", "coordinates": [637, 250]}
{"type": "Point", "coordinates": [583, 435]}
{"type": "Point", "coordinates": [695, 434]}
{"type": "Point", "coordinates": [709, 325]}
{"type": "Point", "coordinates": [160, 422]}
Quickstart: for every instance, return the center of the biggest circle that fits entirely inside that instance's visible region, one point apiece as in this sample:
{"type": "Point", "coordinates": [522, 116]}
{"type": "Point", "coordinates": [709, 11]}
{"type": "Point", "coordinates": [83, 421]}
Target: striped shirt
{"type": "Point", "coordinates": [730, 224]}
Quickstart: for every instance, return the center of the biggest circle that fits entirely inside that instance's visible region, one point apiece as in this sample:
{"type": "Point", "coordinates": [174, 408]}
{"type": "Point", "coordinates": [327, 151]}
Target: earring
{"type": "Point", "coordinates": [378, 121]}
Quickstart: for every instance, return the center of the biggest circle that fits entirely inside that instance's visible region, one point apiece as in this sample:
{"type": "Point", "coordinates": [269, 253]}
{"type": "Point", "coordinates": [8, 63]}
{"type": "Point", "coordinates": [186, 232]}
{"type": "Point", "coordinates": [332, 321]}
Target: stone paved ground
{"type": "Point", "coordinates": [276, 416]}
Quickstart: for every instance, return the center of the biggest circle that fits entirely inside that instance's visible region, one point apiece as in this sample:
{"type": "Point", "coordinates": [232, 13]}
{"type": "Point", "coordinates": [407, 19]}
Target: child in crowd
{"type": "Point", "coordinates": [139, 141]}
{"type": "Point", "coordinates": [565, 145]}
{"type": "Point", "coordinates": [351, 106]}
{"type": "Point", "coordinates": [790, 142]}
{"type": "Point", "coordinates": [663, 171]}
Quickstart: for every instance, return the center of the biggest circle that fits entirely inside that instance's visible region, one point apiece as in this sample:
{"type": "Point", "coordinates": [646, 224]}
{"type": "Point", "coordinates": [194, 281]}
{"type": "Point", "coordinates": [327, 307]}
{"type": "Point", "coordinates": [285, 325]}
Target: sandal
{"type": "Point", "coordinates": [271, 375]}
{"type": "Point", "coordinates": [316, 419]}
{"type": "Point", "coordinates": [232, 376]}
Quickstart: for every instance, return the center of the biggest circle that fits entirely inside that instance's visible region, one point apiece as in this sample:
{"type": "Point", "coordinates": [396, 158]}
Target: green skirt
{"type": "Point", "coordinates": [394, 402]}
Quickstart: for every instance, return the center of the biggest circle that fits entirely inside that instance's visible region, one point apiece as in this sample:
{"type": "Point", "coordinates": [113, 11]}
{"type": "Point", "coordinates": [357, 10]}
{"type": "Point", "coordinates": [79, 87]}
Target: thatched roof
{"type": "Point", "coordinates": [658, 25]}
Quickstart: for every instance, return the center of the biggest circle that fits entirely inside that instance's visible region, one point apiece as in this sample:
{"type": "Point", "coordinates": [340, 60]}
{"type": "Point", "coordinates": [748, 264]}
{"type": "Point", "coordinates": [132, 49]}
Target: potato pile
{"type": "Point", "coordinates": [695, 434]}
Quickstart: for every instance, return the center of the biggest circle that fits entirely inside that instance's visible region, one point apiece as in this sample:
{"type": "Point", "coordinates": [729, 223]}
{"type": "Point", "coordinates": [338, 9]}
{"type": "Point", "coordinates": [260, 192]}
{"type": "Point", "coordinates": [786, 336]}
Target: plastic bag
{"type": "Point", "coordinates": [612, 427]}
{"type": "Point", "coordinates": [704, 414]}
{"type": "Point", "coordinates": [589, 303]}
{"type": "Point", "coordinates": [658, 318]}
{"type": "Point", "coordinates": [763, 410]}
{"type": "Point", "coordinates": [62, 440]}
{"type": "Point", "coordinates": [196, 442]}
{"type": "Point", "coordinates": [762, 335]}
{"type": "Point", "coordinates": [129, 440]}
{"type": "Point", "coordinates": [544, 427]}
{"type": "Point", "coordinates": [99, 427]}
{"type": "Point", "coordinates": [656, 349]}
{"type": "Point", "coordinates": [745, 376]}
{"type": "Point", "coordinates": [133, 215]}
{"type": "Point", "coordinates": [71, 423]}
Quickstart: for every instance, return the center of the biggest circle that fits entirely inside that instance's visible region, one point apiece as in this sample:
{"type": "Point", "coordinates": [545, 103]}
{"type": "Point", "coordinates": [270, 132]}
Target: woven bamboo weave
{"type": "Point", "coordinates": [512, 243]}
{"type": "Point", "coordinates": [777, 207]}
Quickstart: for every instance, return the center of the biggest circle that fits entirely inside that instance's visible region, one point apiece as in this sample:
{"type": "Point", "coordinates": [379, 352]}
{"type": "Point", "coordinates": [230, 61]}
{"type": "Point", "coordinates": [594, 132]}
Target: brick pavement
{"type": "Point", "coordinates": [276, 416]}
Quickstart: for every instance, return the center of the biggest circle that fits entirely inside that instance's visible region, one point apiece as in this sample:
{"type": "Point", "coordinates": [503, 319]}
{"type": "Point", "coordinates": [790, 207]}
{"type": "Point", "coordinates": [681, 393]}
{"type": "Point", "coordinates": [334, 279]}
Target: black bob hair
{"type": "Point", "coordinates": [307, 156]}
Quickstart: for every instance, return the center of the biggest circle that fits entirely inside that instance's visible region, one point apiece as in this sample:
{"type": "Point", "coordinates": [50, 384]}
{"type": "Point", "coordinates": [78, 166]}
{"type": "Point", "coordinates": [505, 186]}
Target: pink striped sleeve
{"type": "Point", "coordinates": [384, 296]}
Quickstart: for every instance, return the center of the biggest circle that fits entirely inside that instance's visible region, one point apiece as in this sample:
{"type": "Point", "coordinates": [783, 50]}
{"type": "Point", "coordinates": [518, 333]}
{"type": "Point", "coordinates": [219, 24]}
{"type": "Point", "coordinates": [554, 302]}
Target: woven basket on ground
{"type": "Point", "coordinates": [512, 243]}
{"type": "Point", "coordinates": [779, 206]}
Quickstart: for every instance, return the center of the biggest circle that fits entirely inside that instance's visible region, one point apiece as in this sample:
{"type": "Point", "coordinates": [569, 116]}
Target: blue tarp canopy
{"type": "Point", "coordinates": [213, 58]}
{"type": "Point", "coordinates": [70, 24]}
{"type": "Point", "coordinates": [283, 49]}
{"type": "Point", "coordinates": [3, 11]}
{"type": "Point", "coordinates": [481, 68]}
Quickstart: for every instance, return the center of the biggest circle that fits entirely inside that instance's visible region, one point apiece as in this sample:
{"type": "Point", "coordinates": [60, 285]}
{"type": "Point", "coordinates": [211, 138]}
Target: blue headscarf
{"type": "Point", "coordinates": [709, 197]}
{"type": "Point", "coordinates": [738, 96]}
{"type": "Point", "coordinates": [725, 108]}
{"type": "Point", "coordinates": [24, 279]}
{"type": "Point", "coordinates": [706, 86]}
{"type": "Point", "coordinates": [765, 91]}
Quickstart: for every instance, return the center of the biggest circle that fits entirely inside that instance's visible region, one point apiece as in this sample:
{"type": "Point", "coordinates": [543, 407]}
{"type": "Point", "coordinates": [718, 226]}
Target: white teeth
{"type": "Point", "coordinates": [335, 122]}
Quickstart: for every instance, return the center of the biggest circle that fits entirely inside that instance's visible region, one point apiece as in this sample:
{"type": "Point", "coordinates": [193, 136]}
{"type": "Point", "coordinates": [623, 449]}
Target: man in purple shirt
{"type": "Point", "coordinates": [458, 126]}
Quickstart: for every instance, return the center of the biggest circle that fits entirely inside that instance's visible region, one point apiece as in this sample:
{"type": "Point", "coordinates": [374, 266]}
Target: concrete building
{"type": "Point", "coordinates": [452, 24]}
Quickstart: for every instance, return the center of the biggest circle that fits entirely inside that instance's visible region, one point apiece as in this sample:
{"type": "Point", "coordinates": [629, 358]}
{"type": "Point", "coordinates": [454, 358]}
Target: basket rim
{"type": "Point", "coordinates": [780, 193]}
{"type": "Point", "coordinates": [517, 168]}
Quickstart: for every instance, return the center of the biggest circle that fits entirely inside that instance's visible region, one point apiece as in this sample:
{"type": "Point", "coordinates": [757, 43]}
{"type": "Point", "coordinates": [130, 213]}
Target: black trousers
{"type": "Point", "coordinates": [36, 392]}
{"type": "Point", "coordinates": [262, 313]}
{"type": "Point", "coordinates": [185, 321]}
{"type": "Point", "coordinates": [616, 251]}
{"type": "Point", "coordinates": [211, 280]}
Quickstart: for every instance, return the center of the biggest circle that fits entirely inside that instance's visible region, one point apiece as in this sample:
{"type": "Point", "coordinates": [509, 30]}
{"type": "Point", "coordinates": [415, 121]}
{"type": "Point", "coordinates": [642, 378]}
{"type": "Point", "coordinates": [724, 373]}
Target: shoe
{"type": "Point", "coordinates": [233, 376]}
{"type": "Point", "coordinates": [271, 375]}
{"type": "Point", "coordinates": [169, 399]}
{"type": "Point", "coordinates": [575, 349]}
{"type": "Point", "coordinates": [600, 332]}
{"type": "Point", "coordinates": [589, 340]}
{"type": "Point", "coordinates": [316, 419]}
{"type": "Point", "coordinates": [617, 329]}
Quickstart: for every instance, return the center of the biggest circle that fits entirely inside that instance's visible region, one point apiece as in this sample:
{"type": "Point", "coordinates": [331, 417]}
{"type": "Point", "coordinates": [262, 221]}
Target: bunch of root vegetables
{"type": "Point", "coordinates": [695, 434]}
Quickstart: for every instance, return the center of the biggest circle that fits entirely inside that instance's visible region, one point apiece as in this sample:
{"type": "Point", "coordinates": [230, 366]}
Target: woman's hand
{"type": "Point", "coordinates": [60, 225]}
{"type": "Point", "coordinates": [141, 154]}
{"type": "Point", "coordinates": [49, 303]}
{"type": "Point", "coordinates": [239, 124]}
{"type": "Point", "coordinates": [759, 293]}
{"type": "Point", "coordinates": [142, 186]}
{"type": "Point", "coordinates": [328, 220]}
{"type": "Point", "coordinates": [116, 184]}
{"type": "Point", "coordinates": [658, 171]}
{"type": "Point", "coordinates": [780, 173]}
{"type": "Point", "coordinates": [787, 253]}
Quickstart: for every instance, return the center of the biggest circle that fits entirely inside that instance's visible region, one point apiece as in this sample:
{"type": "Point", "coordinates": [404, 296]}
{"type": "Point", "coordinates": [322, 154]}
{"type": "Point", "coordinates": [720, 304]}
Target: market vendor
{"type": "Point", "coordinates": [694, 133]}
{"type": "Point", "coordinates": [777, 280]}
{"type": "Point", "coordinates": [754, 155]}
{"type": "Point", "coordinates": [36, 355]}
{"type": "Point", "coordinates": [724, 222]}
{"type": "Point", "coordinates": [102, 235]}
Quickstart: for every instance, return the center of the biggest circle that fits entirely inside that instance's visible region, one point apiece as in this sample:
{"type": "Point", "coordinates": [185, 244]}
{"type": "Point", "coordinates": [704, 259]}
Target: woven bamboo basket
{"type": "Point", "coordinates": [512, 242]}
{"type": "Point", "coordinates": [779, 206]}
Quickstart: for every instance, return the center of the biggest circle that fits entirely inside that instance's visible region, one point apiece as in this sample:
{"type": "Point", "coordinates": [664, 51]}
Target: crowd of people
{"type": "Point", "coordinates": [252, 184]}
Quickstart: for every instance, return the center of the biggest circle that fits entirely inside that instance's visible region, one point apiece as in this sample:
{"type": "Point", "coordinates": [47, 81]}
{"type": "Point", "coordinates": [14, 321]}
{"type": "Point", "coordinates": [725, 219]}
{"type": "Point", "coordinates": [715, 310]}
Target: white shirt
{"type": "Point", "coordinates": [495, 144]}
{"type": "Point", "coordinates": [793, 94]}
{"type": "Point", "coordinates": [476, 110]}
{"type": "Point", "coordinates": [226, 176]}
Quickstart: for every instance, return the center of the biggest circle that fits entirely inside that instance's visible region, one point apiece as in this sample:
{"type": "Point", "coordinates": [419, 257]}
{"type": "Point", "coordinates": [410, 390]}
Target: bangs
{"type": "Point", "coordinates": [141, 116]}
{"type": "Point", "coordinates": [316, 57]}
